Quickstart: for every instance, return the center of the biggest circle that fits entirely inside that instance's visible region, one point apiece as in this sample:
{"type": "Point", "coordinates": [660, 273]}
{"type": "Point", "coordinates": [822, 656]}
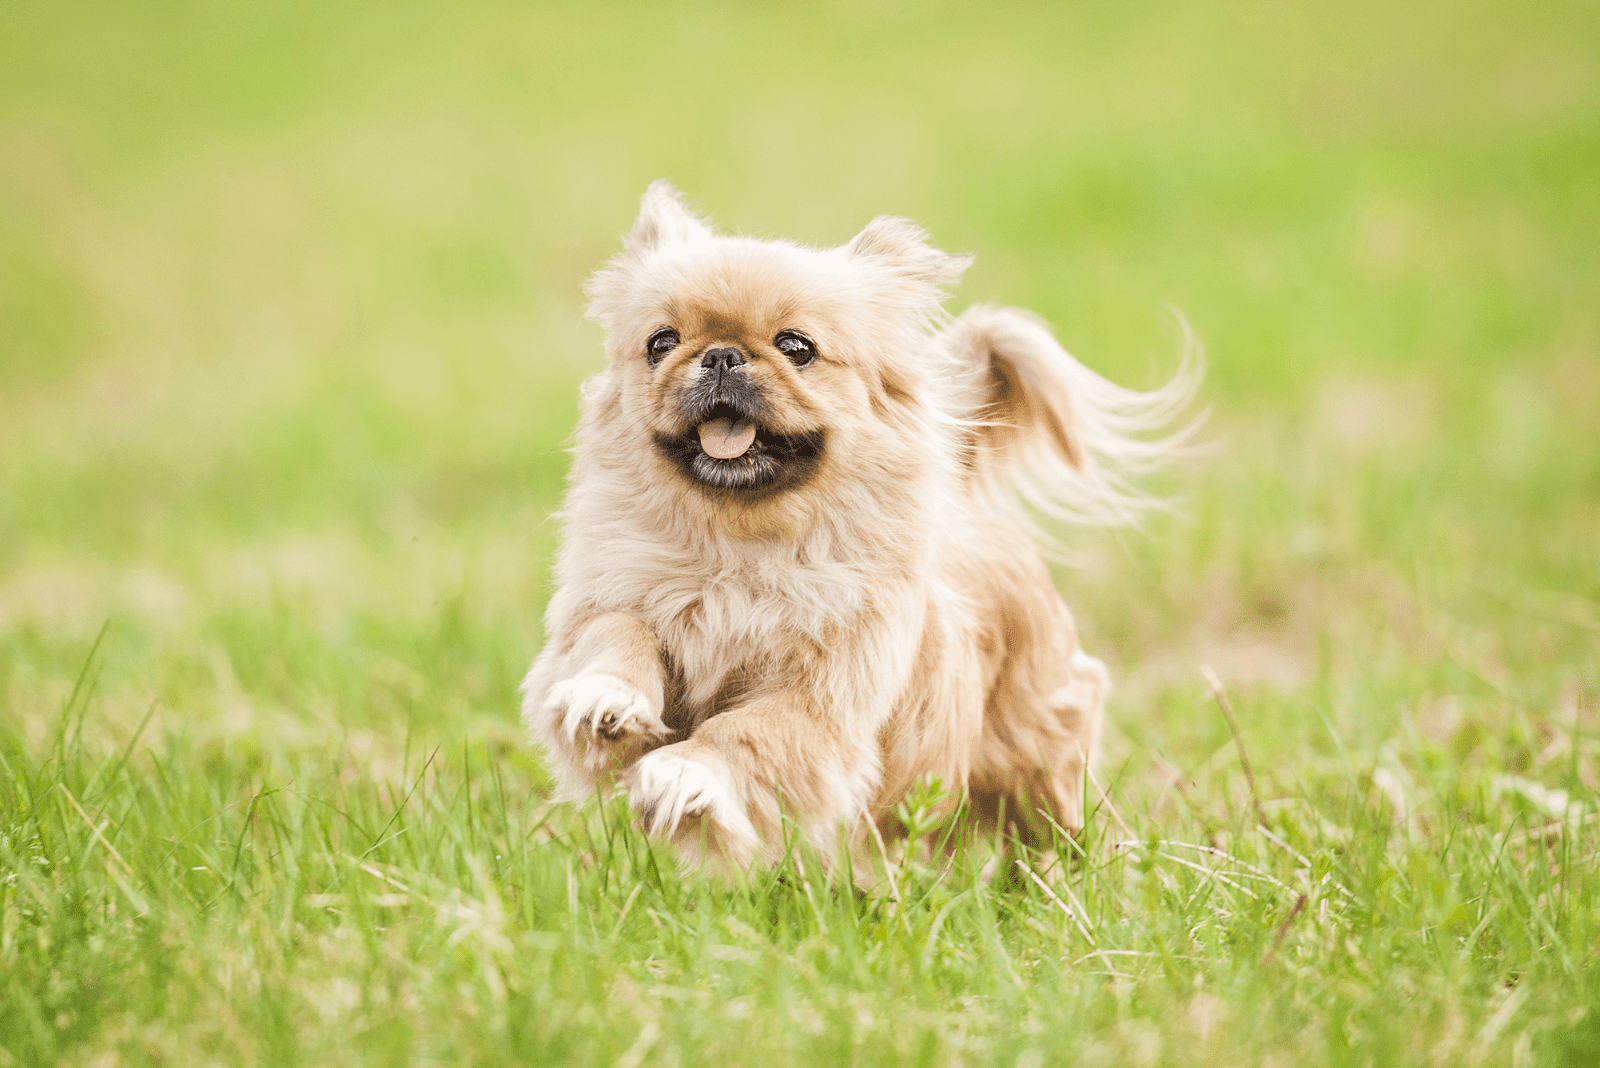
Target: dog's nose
{"type": "Point", "coordinates": [723, 358]}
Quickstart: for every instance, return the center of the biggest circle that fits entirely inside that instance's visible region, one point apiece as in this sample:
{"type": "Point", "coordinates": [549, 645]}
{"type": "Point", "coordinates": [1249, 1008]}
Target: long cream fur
{"type": "Point", "coordinates": [731, 658]}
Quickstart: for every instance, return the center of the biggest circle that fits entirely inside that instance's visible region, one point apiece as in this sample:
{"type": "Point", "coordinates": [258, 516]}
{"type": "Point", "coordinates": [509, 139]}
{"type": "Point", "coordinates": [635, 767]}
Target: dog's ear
{"type": "Point", "coordinates": [903, 246]}
{"type": "Point", "coordinates": [664, 219]}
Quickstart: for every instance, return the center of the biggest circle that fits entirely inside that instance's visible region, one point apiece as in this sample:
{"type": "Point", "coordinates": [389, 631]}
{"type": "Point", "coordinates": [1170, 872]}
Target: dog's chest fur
{"type": "Point", "coordinates": [729, 617]}
{"type": "Point", "coordinates": [736, 626]}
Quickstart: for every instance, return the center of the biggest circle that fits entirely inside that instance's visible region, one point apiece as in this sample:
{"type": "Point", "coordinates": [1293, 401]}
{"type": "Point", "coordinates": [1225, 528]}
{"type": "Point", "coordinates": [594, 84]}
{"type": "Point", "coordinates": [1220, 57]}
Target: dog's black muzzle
{"type": "Point", "coordinates": [724, 382]}
{"type": "Point", "coordinates": [724, 390]}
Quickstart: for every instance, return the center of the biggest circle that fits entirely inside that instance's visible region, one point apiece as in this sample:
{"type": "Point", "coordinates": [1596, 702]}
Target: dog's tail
{"type": "Point", "coordinates": [1045, 432]}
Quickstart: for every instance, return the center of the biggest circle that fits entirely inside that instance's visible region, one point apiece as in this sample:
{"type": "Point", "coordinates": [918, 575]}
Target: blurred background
{"type": "Point", "coordinates": [290, 339]}
{"type": "Point", "coordinates": [291, 329]}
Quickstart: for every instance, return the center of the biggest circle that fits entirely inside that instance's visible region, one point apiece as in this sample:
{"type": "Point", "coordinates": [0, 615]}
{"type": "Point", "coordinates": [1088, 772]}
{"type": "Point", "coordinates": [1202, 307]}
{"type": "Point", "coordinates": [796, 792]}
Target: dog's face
{"type": "Point", "coordinates": [754, 371]}
{"type": "Point", "coordinates": [738, 394]}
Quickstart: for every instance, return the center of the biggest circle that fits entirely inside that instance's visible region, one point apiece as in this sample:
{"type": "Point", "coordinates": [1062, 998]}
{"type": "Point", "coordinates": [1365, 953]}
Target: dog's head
{"type": "Point", "coordinates": [755, 371]}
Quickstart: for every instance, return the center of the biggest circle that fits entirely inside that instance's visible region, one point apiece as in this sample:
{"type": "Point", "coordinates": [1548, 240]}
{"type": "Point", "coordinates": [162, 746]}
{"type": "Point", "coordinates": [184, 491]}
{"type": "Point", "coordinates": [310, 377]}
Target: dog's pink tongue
{"type": "Point", "coordinates": [725, 439]}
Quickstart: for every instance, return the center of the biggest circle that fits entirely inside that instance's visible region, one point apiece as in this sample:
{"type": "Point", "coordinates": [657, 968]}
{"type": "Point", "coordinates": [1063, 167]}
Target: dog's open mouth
{"type": "Point", "coordinates": [727, 437]}
{"type": "Point", "coordinates": [730, 450]}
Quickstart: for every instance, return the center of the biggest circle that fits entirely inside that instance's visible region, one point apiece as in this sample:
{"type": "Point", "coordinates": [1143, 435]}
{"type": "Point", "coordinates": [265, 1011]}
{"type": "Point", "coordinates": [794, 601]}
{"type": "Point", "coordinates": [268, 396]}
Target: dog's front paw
{"type": "Point", "coordinates": [603, 708]}
{"type": "Point", "coordinates": [667, 787]}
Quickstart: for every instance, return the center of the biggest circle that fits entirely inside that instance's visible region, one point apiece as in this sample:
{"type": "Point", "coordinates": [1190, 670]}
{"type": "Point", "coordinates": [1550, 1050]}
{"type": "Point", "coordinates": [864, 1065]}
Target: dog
{"type": "Point", "coordinates": [801, 563]}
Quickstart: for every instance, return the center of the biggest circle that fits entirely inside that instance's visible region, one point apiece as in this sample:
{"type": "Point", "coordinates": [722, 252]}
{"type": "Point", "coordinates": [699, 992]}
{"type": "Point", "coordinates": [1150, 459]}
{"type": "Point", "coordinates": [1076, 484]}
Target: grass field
{"type": "Point", "coordinates": [290, 334]}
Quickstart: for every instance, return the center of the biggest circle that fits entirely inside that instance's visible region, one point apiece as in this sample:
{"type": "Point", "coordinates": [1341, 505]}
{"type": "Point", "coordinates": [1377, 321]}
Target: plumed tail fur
{"type": "Point", "coordinates": [1046, 436]}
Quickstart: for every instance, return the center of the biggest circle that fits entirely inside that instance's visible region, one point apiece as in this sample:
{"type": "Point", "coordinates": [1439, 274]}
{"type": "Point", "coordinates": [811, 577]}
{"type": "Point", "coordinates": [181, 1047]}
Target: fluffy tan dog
{"type": "Point", "coordinates": [797, 572]}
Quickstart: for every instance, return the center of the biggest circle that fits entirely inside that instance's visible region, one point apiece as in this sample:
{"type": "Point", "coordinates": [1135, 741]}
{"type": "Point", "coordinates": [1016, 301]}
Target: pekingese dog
{"type": "Point", "coordinates": [799, 568]}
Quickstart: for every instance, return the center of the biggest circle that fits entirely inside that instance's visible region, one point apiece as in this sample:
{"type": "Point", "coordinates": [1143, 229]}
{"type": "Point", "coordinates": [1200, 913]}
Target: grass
{"type": "Point", "coordinates": [290, 335]}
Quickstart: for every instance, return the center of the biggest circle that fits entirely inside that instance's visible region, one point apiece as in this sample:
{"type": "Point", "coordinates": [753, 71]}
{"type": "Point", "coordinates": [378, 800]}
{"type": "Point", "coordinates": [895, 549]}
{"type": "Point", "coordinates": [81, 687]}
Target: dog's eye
{"type": "Point", "coordinates": [661, 342]}
{"type": "Point", "coordinates": [800, 349]}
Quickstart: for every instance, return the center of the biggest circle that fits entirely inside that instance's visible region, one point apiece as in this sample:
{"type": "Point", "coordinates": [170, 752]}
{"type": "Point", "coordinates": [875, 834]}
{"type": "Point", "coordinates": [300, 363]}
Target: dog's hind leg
{"type": "Point", "coordinates": [1041, 728]}
{"type": "Point", "coordinates": [1079, 707]}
